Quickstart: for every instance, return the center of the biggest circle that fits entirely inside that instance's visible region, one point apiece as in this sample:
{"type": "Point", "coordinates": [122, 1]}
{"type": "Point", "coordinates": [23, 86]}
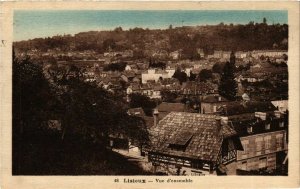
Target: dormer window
{"type": "Point", "coordinates": [267, 126]}
{"type": "Point", "coordinates": [249, 129]}
{"type": "Point", "coordinates": [180, 142]}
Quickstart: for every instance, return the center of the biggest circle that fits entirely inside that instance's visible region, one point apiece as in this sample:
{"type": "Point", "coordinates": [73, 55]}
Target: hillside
{"type": "Point", "coordinates": [252, 36]}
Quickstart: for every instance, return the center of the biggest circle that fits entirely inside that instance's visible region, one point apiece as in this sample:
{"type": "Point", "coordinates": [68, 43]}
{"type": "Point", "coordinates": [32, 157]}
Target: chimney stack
{"type": "Point", "coordinates": [219, 98]}
{"type": "Point", "coordinates": [155, 116]}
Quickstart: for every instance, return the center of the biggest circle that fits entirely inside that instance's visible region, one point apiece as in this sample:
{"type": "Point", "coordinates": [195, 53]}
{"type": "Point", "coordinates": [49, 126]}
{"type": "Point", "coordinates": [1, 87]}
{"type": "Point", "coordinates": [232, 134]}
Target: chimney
{"type": "Point", "coordinates": [218, 124]}
{"type": "Point", "coordinates": [224, 120]}
{"type": "Point", "coordinates": [219, 98]}
{"type": "Point", "coordinates": [155, 116]}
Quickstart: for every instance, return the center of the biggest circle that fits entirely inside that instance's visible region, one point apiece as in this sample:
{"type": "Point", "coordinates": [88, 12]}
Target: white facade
{"type": "Point", "coordinates": [153, 74]}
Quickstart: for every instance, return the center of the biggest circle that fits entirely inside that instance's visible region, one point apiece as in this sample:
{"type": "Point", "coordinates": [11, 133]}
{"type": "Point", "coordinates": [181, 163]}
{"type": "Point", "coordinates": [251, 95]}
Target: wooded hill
{"type": "Point", "coordinates": [252, 36]}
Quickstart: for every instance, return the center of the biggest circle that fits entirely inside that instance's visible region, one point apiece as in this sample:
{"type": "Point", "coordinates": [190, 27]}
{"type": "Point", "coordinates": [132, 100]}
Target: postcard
{"type": "Point", "coordinates": [149, 94]}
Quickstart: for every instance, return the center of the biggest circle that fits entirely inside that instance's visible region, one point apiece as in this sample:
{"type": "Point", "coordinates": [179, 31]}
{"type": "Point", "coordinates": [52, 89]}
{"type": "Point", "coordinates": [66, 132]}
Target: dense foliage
{"type": "Point", "coordinates": [119, 66]}
{"type": "Point", "coordinates": [228, 85]}
{"type": "Point", "coordinates": [139, 100]}
{"type": "Point", "coordinates": [88, 115]}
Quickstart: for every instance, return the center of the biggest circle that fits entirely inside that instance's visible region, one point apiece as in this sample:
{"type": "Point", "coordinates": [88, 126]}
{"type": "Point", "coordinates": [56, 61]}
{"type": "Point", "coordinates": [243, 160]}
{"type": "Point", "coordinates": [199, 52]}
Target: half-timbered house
{"type": "Point", "coordinates": [192, 144]}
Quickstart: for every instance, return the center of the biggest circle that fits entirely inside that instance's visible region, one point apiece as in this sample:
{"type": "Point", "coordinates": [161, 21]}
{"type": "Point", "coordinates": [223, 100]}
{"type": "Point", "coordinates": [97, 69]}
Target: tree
{"type": "Point", "coordinates": [228, 85]}
{"type": "Point", "coordinates": [31, 96]}
{"type": "Point", "coordinates": [139, 100]}
{"type": "Point", "coordinates": [168, 96]}
{"type": "Point", "coordinates": [88, 116]}
{"type": "Point", "coordinates": [265, 21]}
{"type": "Point", "coordinates": [218, 68]}
{"type": "Point", "coordinates": [192, 77]}
{"type": "Point", "coordinates": [109, 44]}
{"type": "Point", "coordinates": [180, 75]}
{"type": "Point", "coordinates": [119, 66]}
{"type": "Point", "coordinates": [118, 29]}
{"type": "Point", "coordinates": [205, 75]}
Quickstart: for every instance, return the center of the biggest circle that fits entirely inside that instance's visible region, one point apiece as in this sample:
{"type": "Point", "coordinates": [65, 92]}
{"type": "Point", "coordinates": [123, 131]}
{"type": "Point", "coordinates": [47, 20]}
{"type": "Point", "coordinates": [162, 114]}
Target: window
{"type": "Point", "coordinates": [259, 143]}
{"type": "Point", "coordinates": [267, 140]}
{"type": "Point", "coordinates": [262, 162]}
{"type": "Point", "coordinates": [245, 147]}
{"type": "Point", "coordinates": [279, 141]}
{"type": "Point", "coordinates": [281, 124]}
{"type": "Point", "coordinates": [244, 165]}
{"type": "Point", "coordinates": [249, 129]}
{"type": "Point", "coordinates": [197, 173]}
{"type": "Point", "coordinates": [215, 108]}
{"type": "Point", "coordinates": [267, 126]}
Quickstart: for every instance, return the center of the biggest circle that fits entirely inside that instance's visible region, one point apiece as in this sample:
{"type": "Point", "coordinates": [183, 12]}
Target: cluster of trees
{"type": "Point", "coordinates": [156, 64]}
{"type": "Point", "coordinates": [180, 75]}
{"type": "Point", "coordinates": [142, 101]}
{"type": "Point", "coordinates": [88, 116]}
{"type": "Point", "coordinates": [168, 96]}
{"type": "Point", "coordinates": [119, 66]}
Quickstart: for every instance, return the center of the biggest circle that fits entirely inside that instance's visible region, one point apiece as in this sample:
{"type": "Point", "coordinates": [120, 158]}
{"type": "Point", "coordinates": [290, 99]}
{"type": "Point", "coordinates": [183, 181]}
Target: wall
{"type": "Point", "coordinates": [268, 161]}
{"type": "Point", "coordinates": [209, 107]}
{"type": "Point", "coordinates": [260, 150]}
{"type": "Point", "coordinates": [261, 144]}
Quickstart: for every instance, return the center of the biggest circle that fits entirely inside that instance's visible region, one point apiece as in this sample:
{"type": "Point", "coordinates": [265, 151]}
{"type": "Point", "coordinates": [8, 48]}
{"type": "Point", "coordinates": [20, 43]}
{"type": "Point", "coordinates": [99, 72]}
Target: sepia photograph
{"type": "Point", "coordinates": [172, 93]}
{"type": "Point", "coordinates": [123, 92]}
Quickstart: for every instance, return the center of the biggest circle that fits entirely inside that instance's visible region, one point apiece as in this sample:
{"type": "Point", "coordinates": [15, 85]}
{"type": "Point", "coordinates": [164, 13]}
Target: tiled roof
{"type": "Point", "coordinates": [192, 87]}
{"type": "Point", "coordinates": [214, 99]}
{"type": "Point", "coordinates": [235, 108]}
{"type": "Point", "coordinates": [199, 132]}
{"type": "Point", "coordinates": [170, 107]}
{"type": "Point", "coordinates": [258, 125]}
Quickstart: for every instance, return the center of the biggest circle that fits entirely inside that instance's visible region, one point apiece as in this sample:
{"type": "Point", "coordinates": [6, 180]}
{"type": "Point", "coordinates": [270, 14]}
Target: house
{"type": "Point", "coordinates": [241, 54]}
{"type": "Point", "coordinates": [201, 53]}
{"type": "Point", "coordinates": [192, 144]}
{"type": "Point", "coordinates": [175, 55]}
{"type": "Point", "coordinates": [127, 67]}
{"type": "Point", "coordinates": [198, 88]}
{"type": "Point", "coordinates": [170, 71]}
{"type": "Point", "coordinates": [154, 74]}
{"type": "Point", "coordinates": [210, 104]}
{"type": "Point", "coordinates": [244, 110]}
{"type": "Point", "coordinates": [264, 141]}
{"type": "Point", "coordinates": [156, 87]}
{"type": "Point", "coordinates": [218, 54]}
{"type": "Point", "coordinates": [263, 134]}
{"type": "Point", "coordinates": [281, 105]}
{"type": "Point", "coordinates": [268, 53]}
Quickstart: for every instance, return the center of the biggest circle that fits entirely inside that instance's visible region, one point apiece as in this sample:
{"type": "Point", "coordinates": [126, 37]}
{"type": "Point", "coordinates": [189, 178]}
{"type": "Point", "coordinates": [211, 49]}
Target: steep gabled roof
{"type": "Point", "coordinates": [199, 132]}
